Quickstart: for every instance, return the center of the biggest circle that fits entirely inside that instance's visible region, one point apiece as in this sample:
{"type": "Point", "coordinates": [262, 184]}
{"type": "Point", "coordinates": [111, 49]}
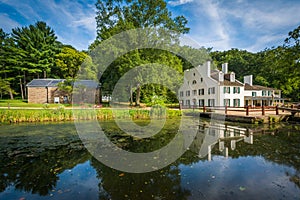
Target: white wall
{"type": "Point", "coordinates": [232, 96]}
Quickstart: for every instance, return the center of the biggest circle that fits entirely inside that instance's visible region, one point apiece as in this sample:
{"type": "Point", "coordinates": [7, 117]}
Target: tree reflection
{"type": "Point", "coordinates": [33, 163]}
{"type": "Point", "coordinates": [36, 170]}
{"type": "Point", "coordinates": [161, 184]}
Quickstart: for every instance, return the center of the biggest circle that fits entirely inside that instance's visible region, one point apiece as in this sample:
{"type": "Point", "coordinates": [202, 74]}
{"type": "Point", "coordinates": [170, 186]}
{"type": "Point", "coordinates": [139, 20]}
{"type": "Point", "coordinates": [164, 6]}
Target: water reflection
{"type": "Point", "coordinates": [223, 135]}
{"type": "Point", "coordinates": [227, 158]}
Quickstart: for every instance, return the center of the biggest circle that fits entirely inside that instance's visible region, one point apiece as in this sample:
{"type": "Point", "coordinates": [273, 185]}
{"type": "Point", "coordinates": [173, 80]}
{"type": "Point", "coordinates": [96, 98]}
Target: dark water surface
{"type": "Point", "coordinates": [232, 161]}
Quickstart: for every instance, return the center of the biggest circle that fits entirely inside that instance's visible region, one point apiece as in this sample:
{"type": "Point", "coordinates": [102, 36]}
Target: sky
{"type": "Point", "coordinates": [251, 25]}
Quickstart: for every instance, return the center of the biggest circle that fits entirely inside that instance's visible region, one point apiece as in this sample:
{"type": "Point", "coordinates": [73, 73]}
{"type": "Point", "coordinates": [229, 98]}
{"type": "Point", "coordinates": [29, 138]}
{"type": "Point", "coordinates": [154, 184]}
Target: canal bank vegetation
{"type": "Point", "coordinates": [62, 114]}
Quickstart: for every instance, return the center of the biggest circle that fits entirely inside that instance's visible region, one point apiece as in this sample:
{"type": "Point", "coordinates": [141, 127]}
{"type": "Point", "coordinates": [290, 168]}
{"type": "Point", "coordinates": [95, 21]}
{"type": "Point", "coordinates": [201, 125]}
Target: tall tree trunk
{"type": "Point", "coordinates": [21, 89]}
{"type": "Point", "coordinates": [100, 95]}
{"type": "Point", "coordinates": [138, 94]}
{"type": "Point", "coordinates": [11, 94]}
{"type": "Point", "coordinates": [131, 96]}
{"type": "Point", "coordinates": [24, 83]}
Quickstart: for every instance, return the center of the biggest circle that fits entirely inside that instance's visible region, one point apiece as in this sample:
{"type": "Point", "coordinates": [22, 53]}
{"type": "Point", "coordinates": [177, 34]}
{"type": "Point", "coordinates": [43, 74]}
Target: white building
{"type": "Point", "coordinates": [257, 95]}
{"type": "Point", "coordinates": [213, 88]}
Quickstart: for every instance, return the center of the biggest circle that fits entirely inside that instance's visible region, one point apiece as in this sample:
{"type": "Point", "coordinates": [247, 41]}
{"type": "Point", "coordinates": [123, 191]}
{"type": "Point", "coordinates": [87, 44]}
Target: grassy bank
{"type": "Point", "coordinates": [61, 114]}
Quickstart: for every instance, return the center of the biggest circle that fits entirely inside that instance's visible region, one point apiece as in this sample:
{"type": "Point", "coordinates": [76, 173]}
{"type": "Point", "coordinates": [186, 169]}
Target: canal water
{"type": "Point", "coordinates": [225, 161]}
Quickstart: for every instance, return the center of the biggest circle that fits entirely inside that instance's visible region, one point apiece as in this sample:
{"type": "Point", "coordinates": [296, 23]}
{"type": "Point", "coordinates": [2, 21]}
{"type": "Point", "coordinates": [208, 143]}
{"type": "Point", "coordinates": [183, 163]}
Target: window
{"type": "Point", "coordinates": [263, 93]}
{"type": "Point", "coordinates": [201, 91]}
{"type": "Point", "coordinates": [187, 93]}
{"type": "Point", "coordinates": [194, 74]}
{"type": "Point", "coordinates": [236, 102]}
{"type": "Point", "coordinates": [226, 102]}
{"type": "Point", "coordinates": [269, 93]}
{"type": "Point", "coordinates": [201, 79]}
{"type": "Point", "coordinates": [201, 102]}
{"type": "Point", "coordinates": [226, 90]}
{"type": "Point", "coordinates": [211, 90]}
{"type": "Point", "coordinates": [181, 93]}
{"type": "Point", "coordinates": [254, 94]}
{"type": "Point", "coordinates": [211, 102]}
{"type": "Point", "coordinates": [194, 92]}
{"type": "Point", "coordinates": [194, 82]}
{"type": "Point", "coordinates": [187, 102]}
{"type": "Point", "coordinates": [236, 90]}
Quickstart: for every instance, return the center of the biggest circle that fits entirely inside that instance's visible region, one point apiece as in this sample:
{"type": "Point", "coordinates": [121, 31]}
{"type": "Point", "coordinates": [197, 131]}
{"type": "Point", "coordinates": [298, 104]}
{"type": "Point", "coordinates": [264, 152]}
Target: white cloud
{"type": "Point", "coordinates": [214, 33]}
{"type": "Point", "coordinates": [25, 9]}
{"type": "Point", "coordinates": [179, 2]}
{"type": "Point", "coordinates": [7, 23]}
{"type": "Point", "coordinates": [265, 41]}
{"type": "Point", "coordinates": [251, 25]}
{"type": "Point", "coordinates": [73, 22]}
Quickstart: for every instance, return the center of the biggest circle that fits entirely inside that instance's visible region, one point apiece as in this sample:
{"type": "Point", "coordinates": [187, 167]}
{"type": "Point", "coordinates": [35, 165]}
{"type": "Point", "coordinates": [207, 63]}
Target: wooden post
{"type": "Point", "coordinates": [277, 110]}
{"type": "Point", "coordinates": [204, 109]}
{"type": "Point", "coordinates": [263, 110]}
{"type": "Point", "coordinates": [226, 109]}
{"type": "Point", "coordinates": [247, 110]}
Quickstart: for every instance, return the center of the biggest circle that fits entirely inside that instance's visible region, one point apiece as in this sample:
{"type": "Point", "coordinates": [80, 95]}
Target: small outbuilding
{"type": "Point", "coordinates": [47, 91]}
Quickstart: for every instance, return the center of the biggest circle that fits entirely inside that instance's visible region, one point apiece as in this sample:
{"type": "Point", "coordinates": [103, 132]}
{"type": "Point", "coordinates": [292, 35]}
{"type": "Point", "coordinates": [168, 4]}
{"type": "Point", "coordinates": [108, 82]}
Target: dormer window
{"type": "Point", "coordinates": [194, 82]}
{"type": "Point", "coordinates": [194, 74]}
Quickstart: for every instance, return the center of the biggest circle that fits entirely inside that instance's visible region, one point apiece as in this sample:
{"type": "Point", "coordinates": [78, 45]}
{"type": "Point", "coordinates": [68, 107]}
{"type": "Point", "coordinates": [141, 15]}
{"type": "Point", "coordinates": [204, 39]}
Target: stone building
{"type": "Point", "coordinates": [47, 91]}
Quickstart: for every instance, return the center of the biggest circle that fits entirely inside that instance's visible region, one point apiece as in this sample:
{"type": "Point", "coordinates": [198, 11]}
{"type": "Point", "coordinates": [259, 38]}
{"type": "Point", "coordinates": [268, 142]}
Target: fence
{"type": "Point", "coordinates": [246, 109]}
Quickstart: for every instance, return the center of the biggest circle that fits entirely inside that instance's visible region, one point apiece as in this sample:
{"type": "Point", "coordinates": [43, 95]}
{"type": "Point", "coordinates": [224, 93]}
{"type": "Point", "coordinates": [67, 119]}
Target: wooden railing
{"type": "Point", "coordinates": [245, 109]}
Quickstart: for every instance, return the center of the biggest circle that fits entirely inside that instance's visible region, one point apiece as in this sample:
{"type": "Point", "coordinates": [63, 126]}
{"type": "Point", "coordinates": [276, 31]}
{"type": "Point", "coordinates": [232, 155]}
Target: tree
{"type": "Point", "coordinates": [69, 61]}
{"type": "Point", "coordinates": [241, 62]}
{"type": "Point", "coordinates": [7, 76]}
{"type": "Point", "coordinates": [114, 17]}
{"type": "Point", "coordinates": [67, 87]}
{"type": "Point", "coordinates": [33, 52]}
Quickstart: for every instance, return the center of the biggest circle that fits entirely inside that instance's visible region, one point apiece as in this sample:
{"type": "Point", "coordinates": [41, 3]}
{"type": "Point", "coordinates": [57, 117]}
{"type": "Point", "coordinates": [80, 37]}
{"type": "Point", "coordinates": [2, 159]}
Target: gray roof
{"type": "Point", "coordinates": [86, 83]}
{"type": "Point", "coordinates": [257, 87]}
{"type": "Point", "coordinates": [54, 83]}
{"type": "Point", "coordinates": [44, 82]}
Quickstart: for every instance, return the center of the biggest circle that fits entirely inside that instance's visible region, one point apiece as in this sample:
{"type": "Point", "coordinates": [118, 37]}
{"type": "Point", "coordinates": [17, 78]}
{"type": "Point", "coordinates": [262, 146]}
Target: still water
{"type": "Point", "coordinates": [231, 161]}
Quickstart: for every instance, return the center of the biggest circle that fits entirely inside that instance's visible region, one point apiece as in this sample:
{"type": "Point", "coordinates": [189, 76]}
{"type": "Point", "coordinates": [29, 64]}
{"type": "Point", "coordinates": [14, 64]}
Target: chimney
{"type": "Point", "coordinates": [232, 77]}
{"type": "Point", "coordinates": [207, 69]}
{"type": "Point", "coordinates": [225, 68]}
{"type": "Point", "coordinates": [248, 79]}
{"type": "Point", "coordinates": [221, 76]}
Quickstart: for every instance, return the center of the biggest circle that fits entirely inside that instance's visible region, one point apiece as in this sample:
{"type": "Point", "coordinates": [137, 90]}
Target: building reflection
{"type": "Point", "coordinates": [216, 134]}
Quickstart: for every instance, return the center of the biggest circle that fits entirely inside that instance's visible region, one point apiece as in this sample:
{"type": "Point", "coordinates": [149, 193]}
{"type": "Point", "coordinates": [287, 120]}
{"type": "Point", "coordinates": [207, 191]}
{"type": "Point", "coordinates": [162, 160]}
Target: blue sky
{"type": "Point", "coordinates": [252, 25]}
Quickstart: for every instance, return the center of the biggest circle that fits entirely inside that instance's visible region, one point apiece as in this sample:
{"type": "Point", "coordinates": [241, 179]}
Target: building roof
{"type": "Point", "coordinates": [229, 83]}
{"type": "Point", "coordinates": [87, 83]}
{"type": "Point", "coordinates": [44, 82]}
{"type": "Point", "coordinates": [54, 83]}
{"type": "Point", "coordinates": [257, 87]}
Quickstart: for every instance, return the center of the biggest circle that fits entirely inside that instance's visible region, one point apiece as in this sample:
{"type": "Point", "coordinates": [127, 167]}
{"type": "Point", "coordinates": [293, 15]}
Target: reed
{"type": "Point", "coordinates": [61, 114]}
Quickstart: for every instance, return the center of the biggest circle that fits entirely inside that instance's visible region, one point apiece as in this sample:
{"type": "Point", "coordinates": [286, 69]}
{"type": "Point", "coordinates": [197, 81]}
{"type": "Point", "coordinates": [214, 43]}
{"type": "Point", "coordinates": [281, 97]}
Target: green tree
{"type": "Point", "coordinates": [114, 17]}
{"type": "Point", "coordinates": [69, 61]}
{"type": "Point", "coordinates": [34, 51]}
{"type": "Point", "coordinates": [241, 62]}
{"type": "Point", "coordinates": [7, 75]}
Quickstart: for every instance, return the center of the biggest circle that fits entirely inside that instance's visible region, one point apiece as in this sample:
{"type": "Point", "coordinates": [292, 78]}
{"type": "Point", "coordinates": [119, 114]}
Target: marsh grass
{"type": "Point", "coordinates": [62, 114]}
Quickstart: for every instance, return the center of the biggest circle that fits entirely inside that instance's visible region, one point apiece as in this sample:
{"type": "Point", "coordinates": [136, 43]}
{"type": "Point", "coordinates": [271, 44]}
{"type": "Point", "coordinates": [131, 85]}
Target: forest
{"type": "Point", "coordinates": [34, 51]}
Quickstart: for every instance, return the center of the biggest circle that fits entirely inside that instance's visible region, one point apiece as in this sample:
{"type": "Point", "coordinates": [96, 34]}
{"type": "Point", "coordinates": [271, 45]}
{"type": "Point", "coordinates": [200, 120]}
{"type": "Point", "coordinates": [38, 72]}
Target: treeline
{"type": "Point", "coordinates": [277, 67]}
{"type": "Point", "coordinates": [34, 52]}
